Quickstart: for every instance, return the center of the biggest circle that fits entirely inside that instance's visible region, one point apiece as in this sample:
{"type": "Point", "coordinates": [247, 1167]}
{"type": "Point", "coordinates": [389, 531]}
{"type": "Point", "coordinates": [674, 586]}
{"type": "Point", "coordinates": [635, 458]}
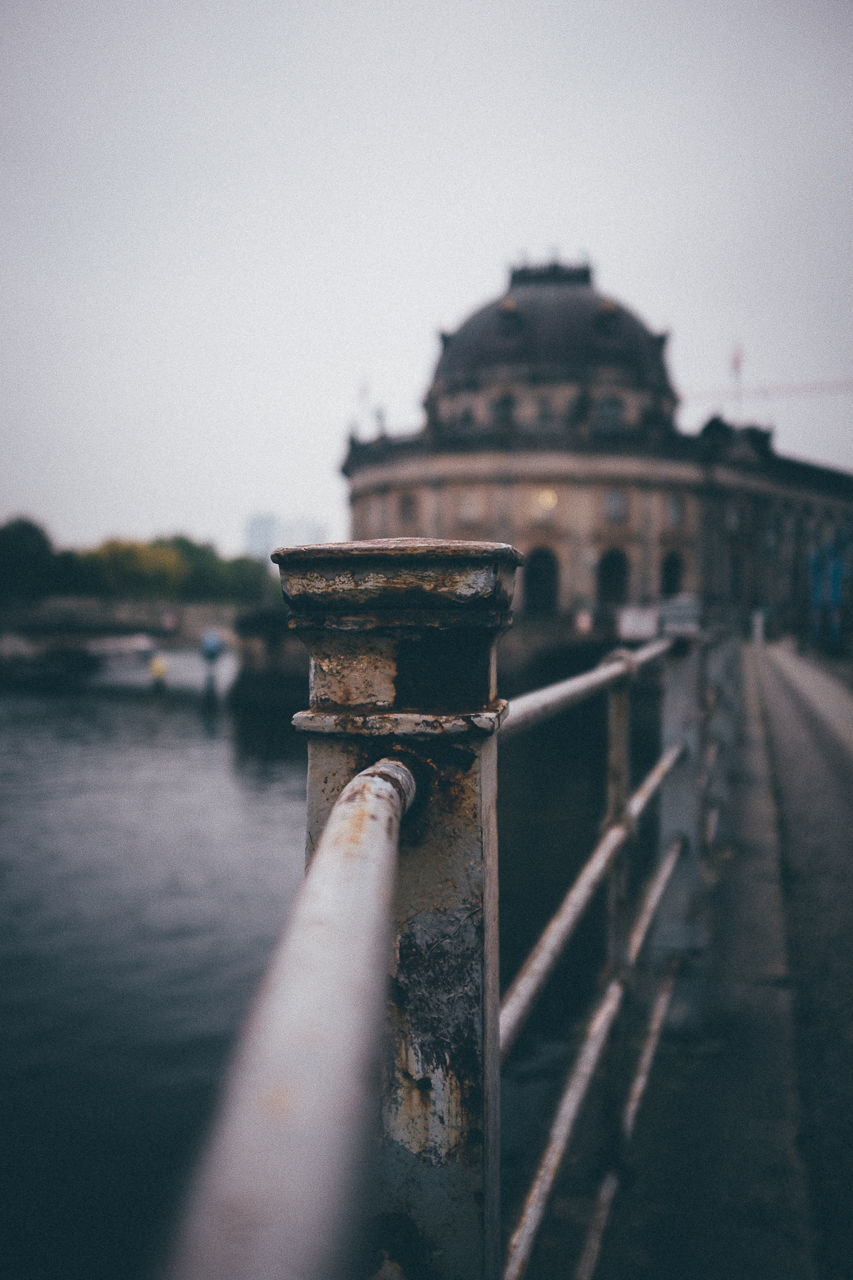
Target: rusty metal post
{"type": "Point", "coordinates": [618, 793]}
{"type": "Point", "coordinates": [401, 639]}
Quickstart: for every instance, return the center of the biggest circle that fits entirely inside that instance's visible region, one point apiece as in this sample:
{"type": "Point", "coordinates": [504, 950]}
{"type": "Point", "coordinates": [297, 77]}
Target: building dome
{"type": "Point", "coordinates": [549, 426]}
{"type": "Point", "coordinates": [550, 349]}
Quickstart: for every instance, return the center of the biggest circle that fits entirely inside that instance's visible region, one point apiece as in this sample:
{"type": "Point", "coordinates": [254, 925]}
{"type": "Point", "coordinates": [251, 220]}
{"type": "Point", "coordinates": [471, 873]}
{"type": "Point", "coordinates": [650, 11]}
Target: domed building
{"type": "Point", "coordinates": [550, 424]}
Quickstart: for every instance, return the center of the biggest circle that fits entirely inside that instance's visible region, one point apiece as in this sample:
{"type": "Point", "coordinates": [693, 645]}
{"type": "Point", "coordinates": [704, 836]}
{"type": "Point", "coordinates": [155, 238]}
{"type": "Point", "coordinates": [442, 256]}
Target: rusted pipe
{"type": "Point", "coordinates": [611, 1181]}
{"type": "Point", "coordinates": [652, 782]}
{"type": "Point", "coordinates": [580, 1077]}
{"type": "Point", "coordinates": [534, 708]}
{"type": "Point", "coordinates": [534, 973]}
{"type": "Point", "coordinates": [598, 1032]}
{"type": "Point", "coordinates": [277, 1190]}
{"type": "Point", "coordinates": [651, 899]}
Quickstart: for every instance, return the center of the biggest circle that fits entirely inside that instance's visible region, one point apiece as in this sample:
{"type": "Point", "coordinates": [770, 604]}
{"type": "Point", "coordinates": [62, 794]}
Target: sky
{"type": "Point", "coordinates": [231, 232]}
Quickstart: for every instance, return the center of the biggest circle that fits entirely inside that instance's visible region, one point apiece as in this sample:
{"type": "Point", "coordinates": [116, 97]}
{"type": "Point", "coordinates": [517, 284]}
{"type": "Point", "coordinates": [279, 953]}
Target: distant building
{"type": "Point", "coordinates": [301, 531]}
{"type": "Point", "coordinates": [265, 532]}
{"type": "Point", "coordinates": [550, 424]}
{"type": "Point", "coordinates": [262, 535]}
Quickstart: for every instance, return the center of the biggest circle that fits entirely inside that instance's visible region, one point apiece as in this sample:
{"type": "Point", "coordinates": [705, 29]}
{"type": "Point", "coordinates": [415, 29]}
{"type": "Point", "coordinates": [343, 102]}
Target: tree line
{"type": "Point", "coordinates": [174, 568]}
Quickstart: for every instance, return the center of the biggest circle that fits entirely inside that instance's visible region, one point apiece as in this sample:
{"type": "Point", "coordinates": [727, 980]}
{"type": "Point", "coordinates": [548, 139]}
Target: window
{"type": "Point", "coordinates": [541, 576]}
{"type": "Point", "coordinates": [610, 414]}
{"type": "Point", "coordinates": [615, 506]}
{"type": "Point", "coordinates": [503, 410]}
{"type": "Point", "coordinates": [374, 517]}
{"type": "Point", "coordinates": [544, 412]}
{"type": "Point", "coordinates": [671, 574]}
{"type": "Point", "coordinates": [674, 510]}
{"type": "Point", "coordinates": [469, 505]}
{"type": "Point", "coordinates": [407, 508]}
{"type": "Point", "coordinates": [613, 577]}
{"type": "Point", "coordinates": [510, 319]}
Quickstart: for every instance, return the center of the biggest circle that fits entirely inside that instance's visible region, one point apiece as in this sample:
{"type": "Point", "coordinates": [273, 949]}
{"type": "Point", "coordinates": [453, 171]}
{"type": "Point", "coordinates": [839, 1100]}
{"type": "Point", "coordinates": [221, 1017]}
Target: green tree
{"type": "Point", "coordinates": [78, 574]}
{"type": "Point", "coordinates": [250, 581]}
{"type": "Point", "coordinates": [175, 568]}
{"type": "Point", "coordinates": [138, 569]}
{"type": "Point", "coordinates": [26, 561]}
{"type": "Point", "coordinates": [241, 580]}
{"type": "Point", "coordinates": [206, 577]}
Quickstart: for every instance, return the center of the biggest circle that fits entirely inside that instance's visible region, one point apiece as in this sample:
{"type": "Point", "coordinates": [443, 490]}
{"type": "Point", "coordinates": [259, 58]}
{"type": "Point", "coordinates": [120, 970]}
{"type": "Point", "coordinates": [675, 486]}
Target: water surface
{"type": "Point", "coordinates": [149, 853]}
{"type": "Point", "coordinates": [147, 863]}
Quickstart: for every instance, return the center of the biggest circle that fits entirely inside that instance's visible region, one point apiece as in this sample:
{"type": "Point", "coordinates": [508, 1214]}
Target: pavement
{"type": "Point", "coordinates": [816, 681]}
{"type": "Point", "coordinates": [808, 712]}
{"type": "Point", "coordinates": [716, 1183]}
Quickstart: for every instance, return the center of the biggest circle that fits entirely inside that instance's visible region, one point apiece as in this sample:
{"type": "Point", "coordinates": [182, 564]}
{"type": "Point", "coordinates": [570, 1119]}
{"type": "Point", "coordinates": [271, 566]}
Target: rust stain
{"type": "Point", "coordinates": [356, 819]}
{"type": "Point", "coordinates": [428, 1109]}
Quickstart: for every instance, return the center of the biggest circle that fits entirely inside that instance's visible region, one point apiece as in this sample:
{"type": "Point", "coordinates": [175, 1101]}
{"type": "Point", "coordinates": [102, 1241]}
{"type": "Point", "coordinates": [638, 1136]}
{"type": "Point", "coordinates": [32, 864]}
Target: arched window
{"type": "Point", "coordinates": [615, 506]}
{"type": "Point", "coordinates": [503, 411]}
{"type": "Point", "coordinates": [671, 574]}
{"type": "Point", "coordinates": [541, 579]}
{"type": "Point", "coordinates": [545, 412]}
{"type": "Point", "coordinates": [613, 577]}
{"type": "Point", "coordinates": [674, 510]}
{"type": "Point", "coordinates": [407, 507]}
{"type": "Point", "coordinates": [610, 413]}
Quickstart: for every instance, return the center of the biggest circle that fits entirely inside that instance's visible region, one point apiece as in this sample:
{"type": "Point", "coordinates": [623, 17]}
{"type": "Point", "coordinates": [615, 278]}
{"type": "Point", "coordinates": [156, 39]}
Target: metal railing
{"type": "Point", "coordinates": [391, 952]}
{"type": "Point", "coordinates": [278, 1188]}
{"type": "Point", "coordinates": [535, 708]}
{"type": "Point", "coordinates": [624, 813]}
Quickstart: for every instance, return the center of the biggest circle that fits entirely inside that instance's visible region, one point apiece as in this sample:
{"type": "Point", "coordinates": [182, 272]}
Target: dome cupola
{"type": "Point", "coordinates": [554, 355]}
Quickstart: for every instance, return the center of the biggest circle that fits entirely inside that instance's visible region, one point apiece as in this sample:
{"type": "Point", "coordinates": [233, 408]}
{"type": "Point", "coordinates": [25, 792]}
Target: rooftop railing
{"type": "Point", "coordinates": [359, 1132]}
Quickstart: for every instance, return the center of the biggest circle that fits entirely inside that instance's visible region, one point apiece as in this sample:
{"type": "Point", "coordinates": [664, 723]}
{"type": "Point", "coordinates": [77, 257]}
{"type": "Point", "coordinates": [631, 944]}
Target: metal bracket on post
{"type": "Point", "coordinates": [401, 639]}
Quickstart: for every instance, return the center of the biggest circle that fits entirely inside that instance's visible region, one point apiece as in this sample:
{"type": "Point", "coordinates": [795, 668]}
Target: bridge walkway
{"type": "Point", "coordinates": [743, 1155]}
{"type": "Point", "coordinates": [809, 715]}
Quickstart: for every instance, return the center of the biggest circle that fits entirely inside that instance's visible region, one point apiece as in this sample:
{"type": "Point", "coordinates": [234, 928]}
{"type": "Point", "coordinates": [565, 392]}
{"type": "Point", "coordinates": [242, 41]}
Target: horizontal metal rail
{"type": "Point", "coordinates": [534, 708]}
{"type": "Point", "coordinates": [652, 782]}
{"type": "Point", "coordinates": [611, 1181]}
{"type": "Point", "coordinates": [580, 1077]}
{"type": "Point", "coordinates": [528, 983]}
{"type": "Point", "coordinates": [279, 1186]}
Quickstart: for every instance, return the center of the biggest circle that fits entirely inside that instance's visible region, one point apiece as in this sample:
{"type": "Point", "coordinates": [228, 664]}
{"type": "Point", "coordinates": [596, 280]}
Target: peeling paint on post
{"type": "Point", "coordinates": [401, 636]}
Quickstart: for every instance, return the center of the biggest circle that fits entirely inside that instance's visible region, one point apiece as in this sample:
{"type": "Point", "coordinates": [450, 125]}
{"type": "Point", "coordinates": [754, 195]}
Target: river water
{"type": "Point", "coordinates": [147, 862]}
{"type": "Point", "coordinates": [150, 849]}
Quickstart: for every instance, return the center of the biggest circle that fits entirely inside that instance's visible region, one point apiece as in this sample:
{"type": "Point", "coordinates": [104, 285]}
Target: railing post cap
{"type": "Point", "coordinates": [399, 626]}
{"type": "Point", "coordinates": [398, 581]}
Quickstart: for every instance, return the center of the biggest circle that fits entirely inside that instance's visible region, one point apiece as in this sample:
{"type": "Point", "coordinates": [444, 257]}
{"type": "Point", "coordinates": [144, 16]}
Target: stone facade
{"type": "Point", "coordinates": [550, 425]}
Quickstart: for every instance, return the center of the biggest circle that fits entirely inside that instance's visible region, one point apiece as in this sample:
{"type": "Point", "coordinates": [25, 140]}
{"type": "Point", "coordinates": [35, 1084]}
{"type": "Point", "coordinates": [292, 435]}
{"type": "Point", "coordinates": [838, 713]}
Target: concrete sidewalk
{"type": "Point", "coordinates": [819, 688]}
{"type": "Point", "coordinates": [718, 1188]}
{"type": "Point", "coordinates": [809, 716]}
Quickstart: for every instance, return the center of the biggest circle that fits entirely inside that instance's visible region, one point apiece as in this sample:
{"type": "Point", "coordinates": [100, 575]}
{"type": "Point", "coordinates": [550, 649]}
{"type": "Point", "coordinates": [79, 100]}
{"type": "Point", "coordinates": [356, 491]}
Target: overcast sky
{"type": "Point", "coordinates": [230, 229]}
